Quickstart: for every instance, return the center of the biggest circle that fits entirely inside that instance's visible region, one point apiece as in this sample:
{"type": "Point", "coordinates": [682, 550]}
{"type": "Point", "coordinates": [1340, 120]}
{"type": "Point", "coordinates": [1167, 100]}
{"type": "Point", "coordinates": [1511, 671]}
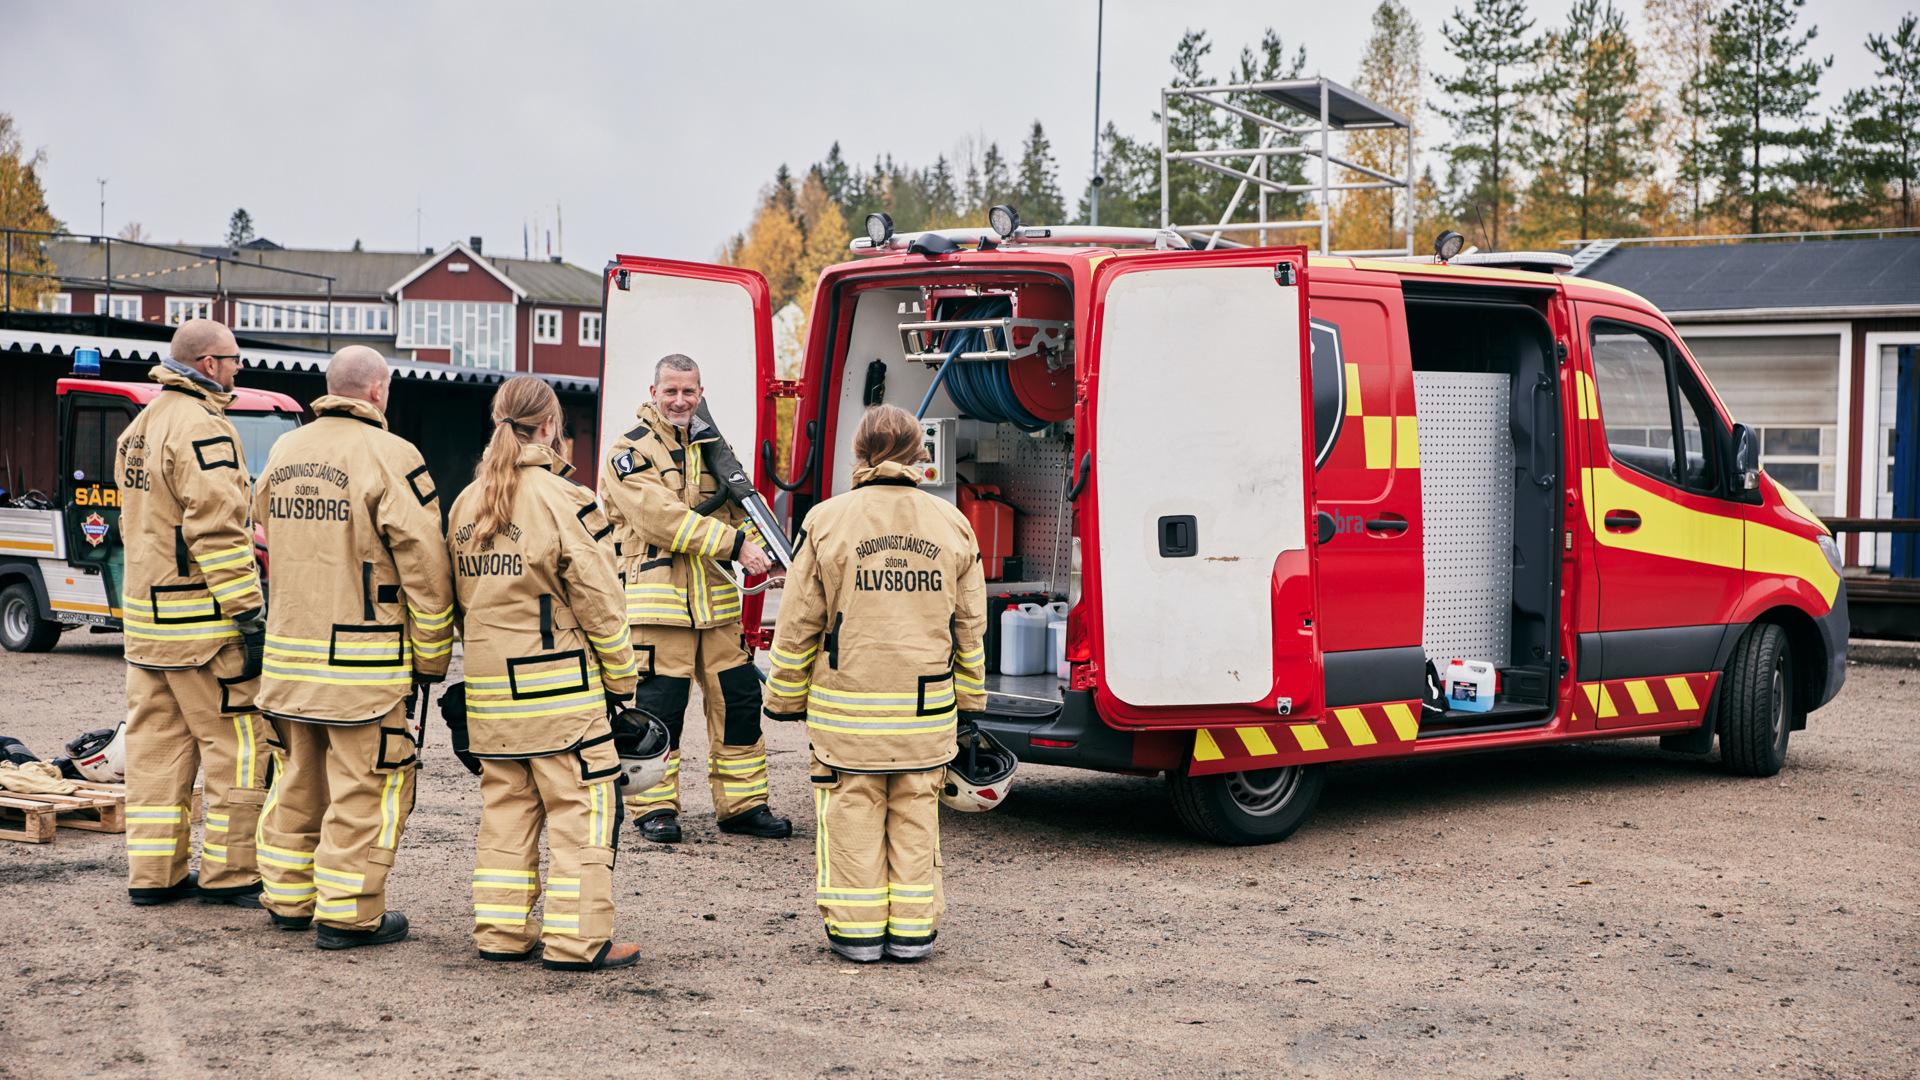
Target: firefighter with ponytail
{"type": "Point", "coordinates": [544, 621]}
{"type": "Point", "coordinates": [878, 649]}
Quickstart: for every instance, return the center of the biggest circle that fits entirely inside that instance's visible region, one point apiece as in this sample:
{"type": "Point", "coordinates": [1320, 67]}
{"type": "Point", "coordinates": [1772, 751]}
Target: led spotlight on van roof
{"type": "Point", "coordinates": [1448, 244]}
{"type": "Point", "coordinates": [879, 228]}
{"type": "Point", "coordinates": [1004, 220]}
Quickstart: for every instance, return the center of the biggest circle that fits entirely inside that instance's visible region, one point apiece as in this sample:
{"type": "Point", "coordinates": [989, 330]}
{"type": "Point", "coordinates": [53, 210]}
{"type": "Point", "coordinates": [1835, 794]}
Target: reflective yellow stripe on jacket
{"type": "Point", "coordinates": [896, 713]}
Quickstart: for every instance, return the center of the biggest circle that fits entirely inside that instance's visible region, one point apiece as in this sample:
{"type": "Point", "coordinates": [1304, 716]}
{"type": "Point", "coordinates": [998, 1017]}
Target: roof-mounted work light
{"type": "Point", "coordinates": [879, 228]}
{"type": "Point", "coordinates": [1448, 244]}
{"type": "Point", "coordinates": [1004, 220]}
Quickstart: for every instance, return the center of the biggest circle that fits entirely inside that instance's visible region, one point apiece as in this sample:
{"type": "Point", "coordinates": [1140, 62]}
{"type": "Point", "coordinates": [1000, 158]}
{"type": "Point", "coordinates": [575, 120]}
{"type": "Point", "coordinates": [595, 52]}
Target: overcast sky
{"type": "Point", "coordinates": [651, 126]}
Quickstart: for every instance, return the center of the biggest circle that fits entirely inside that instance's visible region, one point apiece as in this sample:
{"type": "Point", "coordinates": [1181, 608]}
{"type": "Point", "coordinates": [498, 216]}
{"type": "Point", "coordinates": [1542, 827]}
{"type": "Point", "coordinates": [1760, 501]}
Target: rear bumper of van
{"type": "Point", "coordinates": [1074, 737]}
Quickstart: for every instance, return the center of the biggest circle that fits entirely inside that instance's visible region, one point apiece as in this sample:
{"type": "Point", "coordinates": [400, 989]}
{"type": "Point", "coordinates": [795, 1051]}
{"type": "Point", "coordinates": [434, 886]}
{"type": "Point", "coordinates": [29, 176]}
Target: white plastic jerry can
{"type": "Point", "coordinates": [1023, 640]}
{"type": "Point", "coordinates": [1057, 639]}
{"type": "Point", "coordinates": [1471, 685]}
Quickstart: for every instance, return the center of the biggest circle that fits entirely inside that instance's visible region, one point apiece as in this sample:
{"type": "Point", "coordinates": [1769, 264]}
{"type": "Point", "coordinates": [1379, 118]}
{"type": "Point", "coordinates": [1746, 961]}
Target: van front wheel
{"type": "Point", "coordinates": [1756, 703]}
{"type": "Point", "coordinates": [1259, 807]}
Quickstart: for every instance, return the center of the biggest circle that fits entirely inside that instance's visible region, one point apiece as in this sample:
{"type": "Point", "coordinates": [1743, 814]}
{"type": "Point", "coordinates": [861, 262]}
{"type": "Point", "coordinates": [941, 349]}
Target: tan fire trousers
{"type": "Point", "coordinates": [335, 817]}
{"type": "Point", "coordinates": [877, 855]}
{"type": "Point", "coordinates": [177, 722]}
{"type": "Point", "coordinates": [736, 751]}
{"type": "Point", "coordinates": [582, 820]}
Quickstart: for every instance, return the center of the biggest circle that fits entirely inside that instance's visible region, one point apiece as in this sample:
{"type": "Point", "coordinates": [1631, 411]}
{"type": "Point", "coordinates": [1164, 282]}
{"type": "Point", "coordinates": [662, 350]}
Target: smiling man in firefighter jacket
{"type": "Point", "coordinates": [878, 646]}
{"type": "Point", "coordinates": [366, 610]}
{"type": "Point", "coordinates": [194, 617]}
{"type": "Point", "coordinates": [545, 628]}
{"type": "Point", "coordinates": [684, 609]}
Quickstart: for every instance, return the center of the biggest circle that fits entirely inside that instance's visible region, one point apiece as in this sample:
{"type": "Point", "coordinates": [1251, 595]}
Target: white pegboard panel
{"type": "Point", "coordinates": [1032, 474]}
{"type": "Point", "coordinates": [1466, 510]}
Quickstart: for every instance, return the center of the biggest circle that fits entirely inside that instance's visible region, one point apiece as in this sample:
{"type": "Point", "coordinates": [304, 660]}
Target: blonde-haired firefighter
{"type": "Point", "coordinates": [878, 646]}
{"type": "Point", "coordinates": [684, 608]}
{"type": "Point", "coordinates": [545, 628]}
{"type": "Point", "coordinates": [195, 620]}
{"type": "Point", "coordinates": [353, 520]}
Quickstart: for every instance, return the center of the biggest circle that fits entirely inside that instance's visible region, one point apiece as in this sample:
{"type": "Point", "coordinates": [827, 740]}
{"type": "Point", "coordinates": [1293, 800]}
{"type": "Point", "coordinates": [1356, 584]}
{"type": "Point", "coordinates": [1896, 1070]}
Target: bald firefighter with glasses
{"type": "Point", "coordinates": [352, 519]}
{"type": "Point", "coordinates": [194, 618]}
{"type": "Point", "coordinates": [685, 608]}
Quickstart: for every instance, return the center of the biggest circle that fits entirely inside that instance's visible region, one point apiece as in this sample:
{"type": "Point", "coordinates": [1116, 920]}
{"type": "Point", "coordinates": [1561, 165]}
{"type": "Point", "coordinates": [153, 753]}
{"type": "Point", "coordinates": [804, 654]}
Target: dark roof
{"type": "Point", "coordinates": [356, 274]}
{"type": "Point", "coordinates": [1811, 274]}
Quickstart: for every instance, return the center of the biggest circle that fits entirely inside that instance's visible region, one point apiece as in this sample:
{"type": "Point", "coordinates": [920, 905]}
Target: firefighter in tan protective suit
{"type": "Point", "coordinates": [685, 609]}
{"type": "Point", "coordinates": [194, 618]}
{"type": "Point", "coordinates": [353, 520]}
{"type": "Point", "coordinates": [545, 628]}
{"type": "Point", "coordinates": [878, 647]}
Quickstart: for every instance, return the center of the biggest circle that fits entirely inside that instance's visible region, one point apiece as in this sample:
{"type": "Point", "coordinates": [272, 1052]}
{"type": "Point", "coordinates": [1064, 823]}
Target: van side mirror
{"type": "Point", "coordinates": [1746, 458]}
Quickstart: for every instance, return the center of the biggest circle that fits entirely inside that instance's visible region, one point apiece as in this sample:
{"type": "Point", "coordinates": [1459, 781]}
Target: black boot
{"type": "Point", "coordinates": [290, 922]}
{"type": "Point", "coordinates": [247, 897]}
{"type": "Point", "coordinates": [662, 827]}
{"type": "Point", "coordinates": [392, 928]}
{"type": "Point", "coordinates": [185, 887]}
{"type": "Point", "coordinates": [759, 821]}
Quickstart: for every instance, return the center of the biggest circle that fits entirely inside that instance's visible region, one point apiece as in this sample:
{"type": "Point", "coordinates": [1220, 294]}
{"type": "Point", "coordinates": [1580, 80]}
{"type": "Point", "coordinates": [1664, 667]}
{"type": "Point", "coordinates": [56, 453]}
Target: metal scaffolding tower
{"type": "Point", "coordinates": [1328, 107]}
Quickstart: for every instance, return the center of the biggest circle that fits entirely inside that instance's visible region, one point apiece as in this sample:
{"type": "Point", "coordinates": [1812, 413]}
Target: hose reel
{"type": "Point", "coordinates": [997, 368]}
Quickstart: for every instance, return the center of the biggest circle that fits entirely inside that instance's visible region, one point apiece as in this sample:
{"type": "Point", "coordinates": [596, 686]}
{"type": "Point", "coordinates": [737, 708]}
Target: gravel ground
{"type": "Point", "coordinates": [1600, 910]}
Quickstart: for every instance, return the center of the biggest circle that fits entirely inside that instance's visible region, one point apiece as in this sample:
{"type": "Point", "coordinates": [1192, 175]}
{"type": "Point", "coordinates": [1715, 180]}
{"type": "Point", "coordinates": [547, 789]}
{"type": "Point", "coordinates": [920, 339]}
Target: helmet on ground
{"type": "Point", "coordinates": [642, 741]}
{"type": "Point", "coordinates": [979, 776]}
{"type": "Point", "coordinates": [101, 755]}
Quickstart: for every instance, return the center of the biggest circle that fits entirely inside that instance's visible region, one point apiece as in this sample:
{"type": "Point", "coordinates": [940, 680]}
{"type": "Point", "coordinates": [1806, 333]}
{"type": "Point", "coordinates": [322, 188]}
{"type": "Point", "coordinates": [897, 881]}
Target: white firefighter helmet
{"type": "Point", "coordinates": [979, 776]}
{"type": "Point", "coordinates": [642, 742]}
{"type": "Point", "coordinates": [101, 755]}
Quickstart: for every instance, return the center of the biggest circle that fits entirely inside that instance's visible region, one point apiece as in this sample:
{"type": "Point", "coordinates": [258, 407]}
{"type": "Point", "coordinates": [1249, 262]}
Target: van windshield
{"type": "Point", "coordinates": [258, 431]}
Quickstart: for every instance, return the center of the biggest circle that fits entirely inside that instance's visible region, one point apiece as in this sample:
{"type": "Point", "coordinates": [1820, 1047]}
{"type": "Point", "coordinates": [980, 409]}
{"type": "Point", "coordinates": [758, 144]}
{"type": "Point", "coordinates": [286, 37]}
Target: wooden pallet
{"type": "Point", "coordinates": [92, 807]}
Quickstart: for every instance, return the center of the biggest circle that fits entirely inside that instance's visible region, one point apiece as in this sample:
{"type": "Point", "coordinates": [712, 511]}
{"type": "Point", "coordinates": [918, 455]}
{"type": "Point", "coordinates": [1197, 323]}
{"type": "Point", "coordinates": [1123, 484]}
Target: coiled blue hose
{"type": "Point", "coordinates": [980, 389]}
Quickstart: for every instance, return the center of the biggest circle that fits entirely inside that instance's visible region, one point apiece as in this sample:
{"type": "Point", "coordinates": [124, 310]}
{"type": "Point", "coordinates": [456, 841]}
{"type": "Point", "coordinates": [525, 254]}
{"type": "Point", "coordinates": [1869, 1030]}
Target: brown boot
{"type": "Point", "coordinates": [625, 954]}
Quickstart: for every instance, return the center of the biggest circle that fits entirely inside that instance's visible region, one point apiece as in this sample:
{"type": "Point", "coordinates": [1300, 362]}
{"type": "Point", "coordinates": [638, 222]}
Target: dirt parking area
{"type": "Point", "coordinates": [1603, 910]}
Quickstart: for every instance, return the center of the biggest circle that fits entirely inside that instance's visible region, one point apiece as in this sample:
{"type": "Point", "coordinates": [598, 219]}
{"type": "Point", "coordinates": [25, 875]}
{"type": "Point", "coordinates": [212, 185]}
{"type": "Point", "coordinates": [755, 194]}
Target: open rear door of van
{"type": "Point", "coordinates": [1203, 490]}
{"type": "Point", "coordinates": [721, 317]}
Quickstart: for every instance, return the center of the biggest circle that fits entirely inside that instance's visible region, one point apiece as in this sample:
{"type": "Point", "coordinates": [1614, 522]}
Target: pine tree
{"type": "Point", "coordinates": [835, 176]}
{"type": "Point", "coordinates": [1037, 188]}
{"type": "Point", "coordinates": [1593, 145]}
{"type": "Point", "coordinates": [1680, 47]}
{"type": "Point", "coordinates": [1494, 52]}
{"type": "Point", "coordinates": [239, 228]}
{"type": "Point", "coordinates": [773, 244]}
{"type": "Point", "coordinates": [1390, 74]}
{"type": "Point", "coordinates": [1757, 78]}
{"type": "Point", "coordinates": [1268, 62]}
{"type": "Point", "coordinates": [942, 196]}
{"type": "Point", "coordinates": [1194, 195]}
{"type": "Point", "coordinates": [1882, 151]}
{"type": "Point", "coordinates": [996, 183]}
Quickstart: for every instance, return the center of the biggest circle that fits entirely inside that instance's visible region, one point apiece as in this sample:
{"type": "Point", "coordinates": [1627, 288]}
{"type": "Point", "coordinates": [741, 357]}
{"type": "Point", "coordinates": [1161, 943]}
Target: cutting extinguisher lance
{"type": "Point", "coordinates": [735, 485]}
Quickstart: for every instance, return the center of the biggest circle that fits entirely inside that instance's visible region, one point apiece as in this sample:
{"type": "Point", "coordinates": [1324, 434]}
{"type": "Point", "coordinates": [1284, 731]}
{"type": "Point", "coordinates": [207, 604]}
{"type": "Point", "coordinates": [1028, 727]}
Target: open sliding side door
{"type": "Point", "coordinates": [1203, 487]}
{"type": "Point", "coordinates": [722, 317]}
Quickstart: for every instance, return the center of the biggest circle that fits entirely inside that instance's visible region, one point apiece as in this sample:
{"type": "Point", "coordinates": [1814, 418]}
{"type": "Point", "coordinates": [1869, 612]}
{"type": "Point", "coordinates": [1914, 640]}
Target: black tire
{"type": "Point", "coordinates": [21, 627]}
{"type": "Point", "coordinates": [1261, 807]}
{"type": "Point", "coordinates": [1756, 703]}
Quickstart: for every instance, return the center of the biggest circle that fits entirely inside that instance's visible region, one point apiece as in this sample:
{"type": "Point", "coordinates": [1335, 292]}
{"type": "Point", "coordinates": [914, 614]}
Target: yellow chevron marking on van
{"type": "Point", "coordinates": [1682, 695]}
{"type": "Point", "coordinates": [1642, 696]}
{"type": "Point", "coordinates": [1309, 737]}
{"type": "Point", "coordinates": [1256, 741]}
{"type": "Point", "coordinates": [1404, 725]}
{"type": "Point", "coordinates": [1406, 442]}
{"type": "Point", "coordinates": [1204, 748]}
{"type": "Point", "coordinates": [1355, 723]}
{"type": "Point", "coordinates": [1666, 527]}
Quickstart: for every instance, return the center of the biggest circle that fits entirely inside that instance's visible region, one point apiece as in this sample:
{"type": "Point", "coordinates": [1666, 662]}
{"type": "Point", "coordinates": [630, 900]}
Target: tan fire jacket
{"type": "Point", "coordinates": [540, 610]}
{"type": "Point", "coordinates": [183, 518]}
{"type": "Point", "coordinates": [668, 554]}
{"type": "Point", "coordinates": [879, 632]}
{"type": "Point", "coordinates": [360, 567]}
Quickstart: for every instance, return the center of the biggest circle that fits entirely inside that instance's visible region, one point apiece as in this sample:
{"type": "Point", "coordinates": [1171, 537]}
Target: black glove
{"type": "Point", "coordinates": [971, 719]}
{"type": "Point", "coordinates": [453, 709]}
{"type": "Point", "coordinates": [785, 718]}
{"type": "Point", "coordinates": [253, 642]}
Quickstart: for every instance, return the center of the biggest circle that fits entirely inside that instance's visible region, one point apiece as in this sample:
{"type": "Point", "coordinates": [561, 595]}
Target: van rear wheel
{"type": "Point", "coordinates": [21, 627]}
{"type": "Point", "coordinates": [1756, 703]}
{"type": "Point", "coordinates": [1259, 807]}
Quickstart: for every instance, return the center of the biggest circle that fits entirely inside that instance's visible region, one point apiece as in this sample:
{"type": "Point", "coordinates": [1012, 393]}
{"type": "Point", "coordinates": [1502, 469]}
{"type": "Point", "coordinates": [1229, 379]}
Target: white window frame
{"type": "Point", "coordinates": [1873, 457]}
{"type": "Point", "coordinates": [57, 303]}
{"type": "Point", "coordinates": [182, 308]}
{"type": "Point", "coordinates": [120, 299]}
{"type": "Point", "coordinates": [590, 323]}
{"type": "Point", "coordinates": [442, 324]}
{"type": "Point", "coordinates": [554, 317]}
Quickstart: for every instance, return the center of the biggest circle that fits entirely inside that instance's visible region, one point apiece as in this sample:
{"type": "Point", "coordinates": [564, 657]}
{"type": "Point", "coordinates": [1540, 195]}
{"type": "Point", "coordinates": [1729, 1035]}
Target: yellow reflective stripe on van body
{"type": "Point", "coordinates": [1727, 540]}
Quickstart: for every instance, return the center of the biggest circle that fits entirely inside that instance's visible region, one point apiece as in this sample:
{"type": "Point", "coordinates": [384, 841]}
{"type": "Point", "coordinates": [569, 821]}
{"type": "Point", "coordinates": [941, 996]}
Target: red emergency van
{"type": "Point", "coordinates": [1270, 488]}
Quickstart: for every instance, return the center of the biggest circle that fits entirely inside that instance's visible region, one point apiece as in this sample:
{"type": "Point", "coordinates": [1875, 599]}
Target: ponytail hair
{"type": "Point", "coordinates": [520, 406]}
{"type": "Point", "coordinates": [889, 433]}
